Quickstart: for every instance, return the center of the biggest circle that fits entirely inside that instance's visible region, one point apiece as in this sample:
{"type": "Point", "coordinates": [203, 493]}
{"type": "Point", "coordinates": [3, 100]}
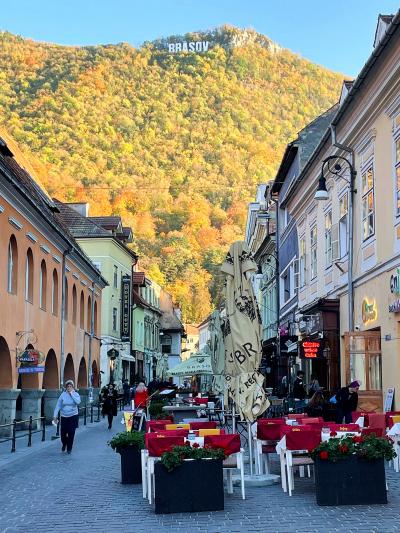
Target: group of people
{"type": "Point", "coordinates": [345, 399]}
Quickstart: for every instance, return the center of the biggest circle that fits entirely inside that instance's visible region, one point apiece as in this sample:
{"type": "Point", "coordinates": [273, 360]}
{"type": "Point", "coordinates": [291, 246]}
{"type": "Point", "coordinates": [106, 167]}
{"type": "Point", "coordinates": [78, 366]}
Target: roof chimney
{"type": "Point", "coordinates": [80, 207]}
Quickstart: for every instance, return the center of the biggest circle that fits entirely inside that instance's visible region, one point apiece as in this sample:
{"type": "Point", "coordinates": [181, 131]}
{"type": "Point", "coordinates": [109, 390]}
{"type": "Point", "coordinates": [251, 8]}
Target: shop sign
{"type": "Point", "coordinates": [388, 399]}
{"type": "Point", "coordinates": [113, 353]}
{"type": "Point", "coordinates": [311, 349]}
{"type": "Point", "coordinates": [29, 362]}
{"type": "Point", "coordinates": [125, 309]}
{"type": "Point", "coordinates": [394, 307]}
{"type": "Point", "coordinates": [369, 312]}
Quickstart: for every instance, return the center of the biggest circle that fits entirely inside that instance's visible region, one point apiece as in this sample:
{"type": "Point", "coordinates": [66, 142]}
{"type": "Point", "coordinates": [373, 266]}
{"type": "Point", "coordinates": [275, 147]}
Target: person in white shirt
{"type": "Point", "coordinates": [67, 406]}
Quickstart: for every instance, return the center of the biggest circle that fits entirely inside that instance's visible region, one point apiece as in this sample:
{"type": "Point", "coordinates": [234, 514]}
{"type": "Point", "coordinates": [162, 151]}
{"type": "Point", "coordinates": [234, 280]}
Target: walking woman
{"type": "Point", "coordinates": [67, 406]}
{"type": "Point", "coordinates": [109, 399]}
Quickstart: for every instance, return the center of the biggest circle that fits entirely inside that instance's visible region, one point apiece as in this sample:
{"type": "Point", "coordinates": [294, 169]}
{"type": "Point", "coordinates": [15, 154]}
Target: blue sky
{"type": "Point", "coordinates": [337, 33]}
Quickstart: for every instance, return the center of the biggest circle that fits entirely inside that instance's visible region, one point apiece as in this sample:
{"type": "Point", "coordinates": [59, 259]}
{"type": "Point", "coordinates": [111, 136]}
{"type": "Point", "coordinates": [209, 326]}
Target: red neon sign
{"type": "Point", "coordinates": [311, 349]}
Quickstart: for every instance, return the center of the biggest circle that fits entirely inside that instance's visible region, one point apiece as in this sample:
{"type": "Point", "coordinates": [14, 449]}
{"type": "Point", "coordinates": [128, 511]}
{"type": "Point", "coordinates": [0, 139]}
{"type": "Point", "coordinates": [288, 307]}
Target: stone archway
{"type": "Point", "coordinates": [5, 365]}
{"type": "Point", "coordinates": [50, 377]}
{"type": "Point", "coordinates": [69, 369]}
{"type": "Point", "coordinates": [95, 375]}
{"type": "Point", "coordinates": [8, 395]}
{"type": "Point", "coordinates": [82, 374]}
{"type": "Point", "coordinates": [51, 384]}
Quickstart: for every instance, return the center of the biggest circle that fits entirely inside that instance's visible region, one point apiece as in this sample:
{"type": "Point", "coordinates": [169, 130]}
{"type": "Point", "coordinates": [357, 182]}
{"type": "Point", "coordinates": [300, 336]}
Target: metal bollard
{"type": "Point", "coordinates": [30, 432]}
{"type": "Point", "coordinates": [43, 429]}
{"type": "Point", "coordinates": [91, 413]}
{"type": "Point", "coordinates": [84, 415]}
{"type": "Point", "coordinates": [98, 413]}
{"type": "Point", "coordinates": [14, 430]}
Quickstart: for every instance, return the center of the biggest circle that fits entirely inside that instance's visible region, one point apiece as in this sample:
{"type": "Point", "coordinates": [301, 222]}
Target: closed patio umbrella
{"type": "Point", "coordinates": [217, 353]}
{"type": "Point", "coordinates": [242, 335]}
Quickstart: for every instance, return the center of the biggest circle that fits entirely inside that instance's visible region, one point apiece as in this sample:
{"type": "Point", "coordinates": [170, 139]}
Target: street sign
{"type": "Point", "coordinates": [30, 369]}
{"type": "Point", "coordinates": [113, 353]}
{"type": "Point", "coordinates": [388, 399]}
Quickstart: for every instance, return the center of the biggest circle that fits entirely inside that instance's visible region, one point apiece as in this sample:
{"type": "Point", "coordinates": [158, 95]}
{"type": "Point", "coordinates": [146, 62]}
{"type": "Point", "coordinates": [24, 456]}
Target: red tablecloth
{"type": "Point", "coordinates": [297, 416]}
{"type": "Point", "coordinates": [343, 427]}
{"type": "Point", "coordinates": [201, 401]}
{"type": "Point", "coordinates": [267, 421]}
{"type": "Point", "coordinates": [154, 425]}
{"type": "Point", "coordinates": [230, 443]}
{"type": "Point", "coordinates": [203, 425]}
{"type": "Point", "coordinates": [158, 444]}
{"type": "Point", "coordinates": [268, 431]}
{"type": "Point", "coordinates": [300, 438]}
{"type": "Point", "coordinates": [173, 432]}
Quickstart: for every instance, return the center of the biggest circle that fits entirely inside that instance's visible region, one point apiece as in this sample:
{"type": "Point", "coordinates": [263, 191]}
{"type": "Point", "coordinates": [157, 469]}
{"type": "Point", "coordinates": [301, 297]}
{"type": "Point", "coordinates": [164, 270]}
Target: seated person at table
{"type": "Point", "coordinates": [317, 405]}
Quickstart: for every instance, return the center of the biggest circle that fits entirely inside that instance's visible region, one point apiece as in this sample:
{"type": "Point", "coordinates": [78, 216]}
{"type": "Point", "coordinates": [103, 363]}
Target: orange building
{"type": "Point", "coordinates": [50, 296]}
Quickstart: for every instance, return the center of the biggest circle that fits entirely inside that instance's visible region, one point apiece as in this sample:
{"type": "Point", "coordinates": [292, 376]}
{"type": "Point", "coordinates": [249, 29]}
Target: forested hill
{"type": "Point", "coordinates": [175, 143]}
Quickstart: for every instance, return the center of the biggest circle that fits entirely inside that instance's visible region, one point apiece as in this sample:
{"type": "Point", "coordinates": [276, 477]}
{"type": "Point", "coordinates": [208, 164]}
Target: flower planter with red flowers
{"type": "Point", "coordinates": [189, 479]}
{"type": "Point", "coordinates": [351, 470]}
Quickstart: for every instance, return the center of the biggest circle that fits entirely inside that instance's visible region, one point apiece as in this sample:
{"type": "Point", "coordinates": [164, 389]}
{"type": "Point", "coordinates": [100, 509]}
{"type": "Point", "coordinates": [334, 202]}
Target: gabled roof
{"type": "Point", "coordinates": [86, 227]}
{"type": "Point", "coordinates": [138, 279]}
{"type": "Point", "coordinates": [384, 22]}
{"type": "Point", "coordinates": [170, 322]}
{"type": "Point", "coordinates": [48, 209]}
{"type": "Point", "coordinates": [110, 223]}
{"type": "Point", "coordinates": [79, 225]}
{"type": "Point", "coordinates": [307, 139]}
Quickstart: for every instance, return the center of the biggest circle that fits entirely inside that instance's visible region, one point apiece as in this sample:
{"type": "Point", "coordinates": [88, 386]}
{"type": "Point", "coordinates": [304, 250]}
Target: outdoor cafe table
{"type": "Point", "coordinates": [180, 412]}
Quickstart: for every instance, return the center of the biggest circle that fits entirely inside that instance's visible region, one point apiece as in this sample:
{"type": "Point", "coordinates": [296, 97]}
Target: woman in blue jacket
{"type": "Point", "coordinates": [67, 406]}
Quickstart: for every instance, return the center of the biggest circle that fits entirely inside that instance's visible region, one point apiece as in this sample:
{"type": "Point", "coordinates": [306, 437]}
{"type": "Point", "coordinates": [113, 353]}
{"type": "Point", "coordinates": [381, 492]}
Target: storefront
{"type": "Point", "coordinates": [319, 347]}
{"type": "Point", "coordinates": [372, 350]}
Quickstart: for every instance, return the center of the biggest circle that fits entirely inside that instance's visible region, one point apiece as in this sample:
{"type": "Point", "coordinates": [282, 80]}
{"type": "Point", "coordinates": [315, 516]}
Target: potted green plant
{"type": "Point", "coordinates": [128, 444]}
{"type": "Point", "coordinates": [351, 471]}
{"type": "Point", "coordinates": [189, 479]}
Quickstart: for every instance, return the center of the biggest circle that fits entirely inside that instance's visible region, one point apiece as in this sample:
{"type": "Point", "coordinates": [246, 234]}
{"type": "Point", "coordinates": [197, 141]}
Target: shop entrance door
{"type": "Point", "coordinates": [363, 358]}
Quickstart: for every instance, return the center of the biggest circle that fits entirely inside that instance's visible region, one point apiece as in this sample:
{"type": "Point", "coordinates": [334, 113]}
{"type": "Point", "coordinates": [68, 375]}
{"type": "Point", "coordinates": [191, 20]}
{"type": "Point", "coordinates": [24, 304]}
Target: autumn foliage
{"type": "Point", "coordinates": [174, 143]}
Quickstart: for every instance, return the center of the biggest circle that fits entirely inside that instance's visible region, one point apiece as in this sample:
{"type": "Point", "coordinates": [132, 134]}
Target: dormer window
{"type": "Point", "coordinates": [384, 21]}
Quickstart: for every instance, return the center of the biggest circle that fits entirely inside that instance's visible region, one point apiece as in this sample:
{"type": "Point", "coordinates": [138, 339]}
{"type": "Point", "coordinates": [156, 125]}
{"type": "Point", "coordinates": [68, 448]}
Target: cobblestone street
{"type": "Point", "coordinates": [45, 490]}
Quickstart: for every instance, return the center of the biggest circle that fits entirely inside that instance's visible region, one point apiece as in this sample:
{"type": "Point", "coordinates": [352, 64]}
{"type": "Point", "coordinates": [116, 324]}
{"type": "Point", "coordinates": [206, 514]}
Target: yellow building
{"type": "Point", "coordinates": [366, 131]}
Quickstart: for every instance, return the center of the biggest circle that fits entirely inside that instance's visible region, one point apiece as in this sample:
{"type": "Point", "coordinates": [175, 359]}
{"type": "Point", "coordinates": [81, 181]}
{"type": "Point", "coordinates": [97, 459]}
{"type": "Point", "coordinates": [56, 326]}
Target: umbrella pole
{"type": "Point", "coordinates": [250, 441]}
{"type": "Point", "coordinates": [233, 418]}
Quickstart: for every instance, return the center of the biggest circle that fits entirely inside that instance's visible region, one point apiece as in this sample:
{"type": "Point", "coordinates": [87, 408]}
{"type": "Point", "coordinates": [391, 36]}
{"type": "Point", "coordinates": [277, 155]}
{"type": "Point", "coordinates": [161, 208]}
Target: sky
{"type": "Point", "coordinates": [337, 34]}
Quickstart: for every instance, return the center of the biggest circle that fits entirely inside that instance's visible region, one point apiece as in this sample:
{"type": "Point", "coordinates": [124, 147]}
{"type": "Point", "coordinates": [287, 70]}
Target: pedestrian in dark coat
{"type": "Point", "coordinates": [109, 399]}
{"type": "Point", "coordinates": [346, 402]}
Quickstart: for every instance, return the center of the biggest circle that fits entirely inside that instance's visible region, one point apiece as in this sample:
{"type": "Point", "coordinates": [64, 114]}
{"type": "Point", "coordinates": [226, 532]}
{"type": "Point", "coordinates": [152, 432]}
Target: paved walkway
{"type": "Point", "coordinates": [46, 491]}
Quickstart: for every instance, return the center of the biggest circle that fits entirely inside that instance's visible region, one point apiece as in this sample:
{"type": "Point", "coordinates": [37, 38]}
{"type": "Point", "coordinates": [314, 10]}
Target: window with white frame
{"type": "Point", "coordinates": [313, 240]}
{"type": "Point", "coordinates": [396, 128]}
{"type": "Point", "coordinates": [302, 262]}
{"type": "Point", "coordinates": [287, 284]}
{"type": "Point", "coordinates": [343, 212]}
{"type": "Point", "coordinates": [368, 194]}
{"type": "Point", "coordinates": [328, 239]}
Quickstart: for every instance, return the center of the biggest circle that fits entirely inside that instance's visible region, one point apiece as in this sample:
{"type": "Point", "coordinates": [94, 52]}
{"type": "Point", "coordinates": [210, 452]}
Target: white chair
{"type": "Point", "coordinates": [144, 455]}
{"type": "Point", "coordinates": [296, 458]}
{"type": "Point", "coordinates": [234, 461]}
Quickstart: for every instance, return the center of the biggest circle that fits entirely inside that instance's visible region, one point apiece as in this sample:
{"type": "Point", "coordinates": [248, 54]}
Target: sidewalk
{"type": "Point", "coordinates": [48, 491]}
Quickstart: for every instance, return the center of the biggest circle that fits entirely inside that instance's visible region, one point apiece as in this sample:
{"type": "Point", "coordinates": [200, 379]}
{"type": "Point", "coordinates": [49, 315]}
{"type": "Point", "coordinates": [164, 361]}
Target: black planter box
{"type": "Point", "coordinates": [131, 468]}
{"type": "Point", "coordinates": [350, 481]}
{"type": "Point", "coordinates": [192, 487]}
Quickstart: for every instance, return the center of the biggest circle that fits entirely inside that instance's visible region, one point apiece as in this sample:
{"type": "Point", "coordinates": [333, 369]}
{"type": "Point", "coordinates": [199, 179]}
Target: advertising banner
{"type": "Point", "coordinates": [126, 308]}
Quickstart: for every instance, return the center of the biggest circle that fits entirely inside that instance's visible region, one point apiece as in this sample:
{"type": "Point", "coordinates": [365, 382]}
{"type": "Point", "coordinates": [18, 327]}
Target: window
{"type": "Point", "coordinates": [328, 239]}
{"type": "Point", "coordinates": [114, 318]}
{"type": "Point", "coordinates": [397, 166]}
{"type": "Point", "coordinates": [54, 293]}
{"type": "Point", "coordinates": [95, 319]}
{"type": "Point", "coordinates": [89, 314]}
{"type": "Point", "coordinates": [302, 264]}
{"type": "Point", "coordinates": [343, 210]}
{"type": "Point", "coordinates": [43, 285]}
{"type": "Point", "coordinates": [287, 284]}
{"type": "Point", "coordinates": [12, 271]}
{"type": "Point", "coordinates": [115, 277]}
{"type": "Point", "coordinates": [368, 203]}
{"type": "Point", "coordinates": [66, 299]}
{"type": "Point", "coordinates": [74, 305]}
{"type": "Point", "coordinates": [364, 359]}
{"type": "Point", "coordinates": [82, 312]}
{"type": "Point", "coordinates": [313, 236]}
{"type": "Point", "coordinates": [29, 276]}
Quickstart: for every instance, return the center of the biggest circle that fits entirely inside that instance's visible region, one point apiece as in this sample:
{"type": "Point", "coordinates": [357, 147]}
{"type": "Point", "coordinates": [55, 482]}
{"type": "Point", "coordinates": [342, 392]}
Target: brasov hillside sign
{"type": "Point", "coordinates": [186, 46]}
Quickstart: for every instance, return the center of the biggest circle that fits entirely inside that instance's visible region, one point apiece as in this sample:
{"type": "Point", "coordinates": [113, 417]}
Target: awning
{"type": "Point", "coordinates": [197, 364]}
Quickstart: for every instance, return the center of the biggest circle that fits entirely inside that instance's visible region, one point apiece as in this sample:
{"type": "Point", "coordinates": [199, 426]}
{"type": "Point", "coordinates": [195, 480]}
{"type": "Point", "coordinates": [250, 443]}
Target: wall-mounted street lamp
{"type": "Point", "coordinates": [333, 165]}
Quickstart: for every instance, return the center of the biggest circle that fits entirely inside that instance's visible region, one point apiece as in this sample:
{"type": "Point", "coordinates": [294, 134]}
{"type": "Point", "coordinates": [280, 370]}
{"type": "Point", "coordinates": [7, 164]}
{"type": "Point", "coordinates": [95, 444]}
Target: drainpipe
{"type": "Point", "coordinates": [62, 330]}
{"type": "Point", "coordinates": [277, 288]}
{"type": "Point", "coordinates": [91, 335]}
{"type": "Point", "coordinates": [350, 289]}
